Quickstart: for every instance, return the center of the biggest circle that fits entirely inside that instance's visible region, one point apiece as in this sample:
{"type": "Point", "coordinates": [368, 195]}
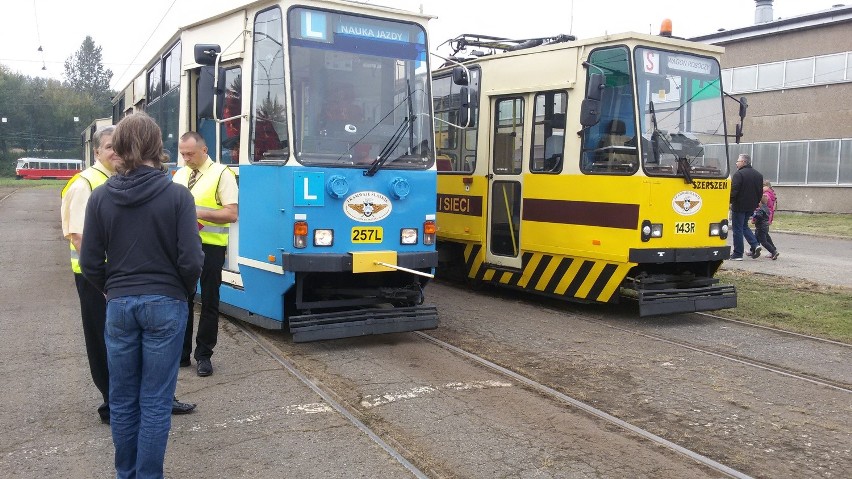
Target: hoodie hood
{"type": "Point", "coordinates": [138, 186]}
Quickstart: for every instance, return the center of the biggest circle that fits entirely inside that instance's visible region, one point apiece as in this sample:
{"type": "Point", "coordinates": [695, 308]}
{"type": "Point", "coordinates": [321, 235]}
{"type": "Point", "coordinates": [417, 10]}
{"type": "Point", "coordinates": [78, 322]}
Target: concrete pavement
{"type": "Point", "coordinates": [253, 420]}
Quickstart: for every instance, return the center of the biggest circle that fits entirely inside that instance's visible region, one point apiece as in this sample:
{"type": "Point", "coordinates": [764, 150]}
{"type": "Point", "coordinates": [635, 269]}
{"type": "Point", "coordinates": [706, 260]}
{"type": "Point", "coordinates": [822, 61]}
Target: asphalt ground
{"type": "Point", "coordinates": [819, 259]}
{"type": "Point", "coordinates": [254, 419]}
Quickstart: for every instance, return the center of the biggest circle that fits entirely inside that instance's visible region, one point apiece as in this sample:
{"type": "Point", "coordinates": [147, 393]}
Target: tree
{"type": "Point", "coordinates": [84, 72]}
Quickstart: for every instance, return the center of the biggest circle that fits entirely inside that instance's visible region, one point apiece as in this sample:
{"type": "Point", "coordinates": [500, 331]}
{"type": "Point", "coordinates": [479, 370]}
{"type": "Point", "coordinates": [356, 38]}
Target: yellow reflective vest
{"type": "Point", "coordinates": [94, 177]}
{"type": "Point", "coordinates": [204, 192]}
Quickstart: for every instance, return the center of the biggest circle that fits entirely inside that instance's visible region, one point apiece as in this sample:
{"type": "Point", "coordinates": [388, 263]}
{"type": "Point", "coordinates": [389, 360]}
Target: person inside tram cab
{"type": "Point", "coordinates": [339, 109]}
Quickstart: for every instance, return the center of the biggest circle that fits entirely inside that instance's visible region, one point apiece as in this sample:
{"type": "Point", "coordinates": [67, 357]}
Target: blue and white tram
{"type": "Point", "coordinates": [323, 109]}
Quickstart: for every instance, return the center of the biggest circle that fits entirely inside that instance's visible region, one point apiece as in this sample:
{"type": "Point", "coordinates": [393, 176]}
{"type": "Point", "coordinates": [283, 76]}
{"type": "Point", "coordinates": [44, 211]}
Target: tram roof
{"type": "Point", "coordinates": [629, 38]}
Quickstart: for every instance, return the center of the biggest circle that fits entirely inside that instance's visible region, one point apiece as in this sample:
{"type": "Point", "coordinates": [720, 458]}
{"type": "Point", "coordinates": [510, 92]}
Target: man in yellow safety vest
{"type": "Point", "coordinates": [75, 196]}
{"type": "Point", "coordinates": [214, 187]}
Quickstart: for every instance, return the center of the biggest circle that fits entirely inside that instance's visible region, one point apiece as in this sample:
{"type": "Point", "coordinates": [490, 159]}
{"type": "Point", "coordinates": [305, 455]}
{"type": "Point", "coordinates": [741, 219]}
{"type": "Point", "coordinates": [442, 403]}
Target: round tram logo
{"type": "Point", "coordinates": [686, 203]}
{"type": "Point", "coordinates": [367, 206]}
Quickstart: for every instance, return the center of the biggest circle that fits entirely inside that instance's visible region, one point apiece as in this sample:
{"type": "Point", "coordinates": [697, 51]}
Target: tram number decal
{"type": "Point", "coordinates": [684, 228]}
{"type": "Point", "coordinates": [710, 185]}
{"type": "Point", "coordinates": [367, 235]}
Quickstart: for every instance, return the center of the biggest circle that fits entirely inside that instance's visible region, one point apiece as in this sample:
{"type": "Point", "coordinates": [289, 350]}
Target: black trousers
{"type": "Point", "coordinates": [93, 312]}
{"type": "Point", "coordinates": [208, 322]}
{"type": "Point", "coordinates": [762, 233]}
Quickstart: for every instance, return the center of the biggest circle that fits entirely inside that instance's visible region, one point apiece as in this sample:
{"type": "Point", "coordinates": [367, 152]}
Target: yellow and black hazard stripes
{"type": "Point", "coordinates": [564, 276]}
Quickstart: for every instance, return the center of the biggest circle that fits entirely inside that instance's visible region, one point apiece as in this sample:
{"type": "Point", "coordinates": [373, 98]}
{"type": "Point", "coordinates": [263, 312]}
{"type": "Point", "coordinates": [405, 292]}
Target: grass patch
{"type": "Point", "coordinates": [790, 304]}
{"type": "Point", "coordinates": [829, 224]}
{"type": "Point", "coordinates": [32, 183]}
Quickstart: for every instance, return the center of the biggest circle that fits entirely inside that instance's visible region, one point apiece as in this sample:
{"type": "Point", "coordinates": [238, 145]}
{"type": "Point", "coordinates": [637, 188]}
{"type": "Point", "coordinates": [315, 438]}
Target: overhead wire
{"type": "Point", "coordinates": [38, 36]}
{"type": "Point", "coordinates": [148, 40]}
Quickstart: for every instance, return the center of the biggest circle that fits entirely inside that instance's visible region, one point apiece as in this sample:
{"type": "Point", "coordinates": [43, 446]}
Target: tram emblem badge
{"type": "Point", "coordinates": [686, 203]}
{"type": "Point", "coordinates": [367, 206]}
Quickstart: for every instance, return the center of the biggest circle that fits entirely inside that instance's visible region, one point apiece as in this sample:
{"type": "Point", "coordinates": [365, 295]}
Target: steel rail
{"type": "Point", "coordinates": [588, 408]}
{"type": "Point", "coordinates": [326, 396]}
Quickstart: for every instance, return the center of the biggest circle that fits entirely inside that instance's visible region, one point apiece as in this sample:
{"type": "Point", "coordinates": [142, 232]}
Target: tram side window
{"type": "Point", "coordinates": [548, 141]}
{"type": "Point", "coordinates": [230, 147]}
{"type": "Point", "coordinates": [456, 147]}
{"type": "Point", "coordinates": [268, 138]}
{"type": "Point", "coordinates": [509, 136]}
{"type": "Point", "coordinates": [610, 147]}
{"type": "Point", "coordinates": [169, 108]}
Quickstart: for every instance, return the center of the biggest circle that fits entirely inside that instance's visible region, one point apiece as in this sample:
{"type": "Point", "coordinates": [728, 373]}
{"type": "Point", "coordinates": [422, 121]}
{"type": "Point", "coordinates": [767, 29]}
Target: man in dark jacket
{"type": "Point", "coordinates": [142, 250]}
{"type": "Point", "coordinates": [746, 190]}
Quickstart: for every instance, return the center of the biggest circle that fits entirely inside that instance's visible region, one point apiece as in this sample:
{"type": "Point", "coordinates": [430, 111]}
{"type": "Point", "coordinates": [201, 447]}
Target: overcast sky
{"type": "Point", "coordinates": [121, 27]}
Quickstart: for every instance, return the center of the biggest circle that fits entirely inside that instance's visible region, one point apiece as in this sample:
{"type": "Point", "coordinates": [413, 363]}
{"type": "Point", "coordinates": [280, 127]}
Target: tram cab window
{"type": "Point", "coordinates": [268, 125]}
{"type": "Point", "coordinates": [548, 142]}
{"type": "Point", "coordinates": [360, 90]}
{"type": "Point", "coordinates": [610, 146]}
{"type": "Point", "coordinates": [455, 147]}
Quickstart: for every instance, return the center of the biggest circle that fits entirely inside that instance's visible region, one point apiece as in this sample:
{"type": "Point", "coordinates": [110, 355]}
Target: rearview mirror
{"type": "Point", "coordinates": [595, 87]}
{"type": "Point", "coordinates": [205, 54]}
{"type": "Point", "coordinates": [743, 107]}
{"type": "Point", "coordinates": [209, 90]}
{"type": "Point", "coordinates": [460, 76]}
{"type": "Point", "coordinates": [590, 112]}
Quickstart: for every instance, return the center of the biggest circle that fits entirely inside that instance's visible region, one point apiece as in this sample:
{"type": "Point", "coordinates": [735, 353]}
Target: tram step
{"type": "Point", "coordinates": [364, 322]}
{"type": "Point", "coordinates": [669, 301]}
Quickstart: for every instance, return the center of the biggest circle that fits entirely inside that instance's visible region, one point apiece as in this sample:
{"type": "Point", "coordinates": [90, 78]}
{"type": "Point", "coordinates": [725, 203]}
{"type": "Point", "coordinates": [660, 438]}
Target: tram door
{"type": "Point", "coordinates": [505, 186]}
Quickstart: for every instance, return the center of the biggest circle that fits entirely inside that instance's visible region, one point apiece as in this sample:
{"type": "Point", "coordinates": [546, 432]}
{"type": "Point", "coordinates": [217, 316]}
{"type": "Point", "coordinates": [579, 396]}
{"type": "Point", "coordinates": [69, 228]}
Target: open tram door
{"type": "Point", "coordinates": [505, 182]}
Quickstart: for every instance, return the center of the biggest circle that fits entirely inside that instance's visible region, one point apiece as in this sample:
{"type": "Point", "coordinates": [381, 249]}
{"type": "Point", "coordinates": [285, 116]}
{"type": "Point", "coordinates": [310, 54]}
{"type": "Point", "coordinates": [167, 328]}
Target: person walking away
{"type": "Point", "coordinates": [772, 199]}
{"type": "Point", "coordinates": [761, 227]}
{"type": "Point", "coordinates": [146, 226]}
{"type": "Point", "coordinates": [75, 196]}
{"type": "Point", "coordinates": [214, 187]}
{"type": "Point", "coordinates": [746, 190]}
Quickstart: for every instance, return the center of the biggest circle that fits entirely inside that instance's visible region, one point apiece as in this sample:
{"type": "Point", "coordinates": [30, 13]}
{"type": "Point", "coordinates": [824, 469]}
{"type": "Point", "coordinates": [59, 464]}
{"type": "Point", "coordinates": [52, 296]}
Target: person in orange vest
{"type": "Point", "coordinates": [214, 187]}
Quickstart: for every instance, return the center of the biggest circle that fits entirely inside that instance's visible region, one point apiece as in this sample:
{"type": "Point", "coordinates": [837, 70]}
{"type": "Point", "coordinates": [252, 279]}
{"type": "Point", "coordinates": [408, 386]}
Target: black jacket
{"type": "Point", "coordinates": [141, 237]}
{"type": "Point", "coordinates": [746, 189]}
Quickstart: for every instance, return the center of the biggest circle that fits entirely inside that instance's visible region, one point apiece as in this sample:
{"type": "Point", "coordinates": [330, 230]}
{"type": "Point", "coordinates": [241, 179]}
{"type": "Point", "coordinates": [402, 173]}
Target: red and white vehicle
{"type": "Point", "coordinates": [47, 168]}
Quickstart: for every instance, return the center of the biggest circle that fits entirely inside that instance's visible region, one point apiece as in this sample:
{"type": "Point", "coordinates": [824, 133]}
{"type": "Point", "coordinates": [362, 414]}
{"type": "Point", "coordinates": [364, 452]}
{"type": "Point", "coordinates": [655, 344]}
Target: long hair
{"type": "Point", "coordinates": [138, 139]}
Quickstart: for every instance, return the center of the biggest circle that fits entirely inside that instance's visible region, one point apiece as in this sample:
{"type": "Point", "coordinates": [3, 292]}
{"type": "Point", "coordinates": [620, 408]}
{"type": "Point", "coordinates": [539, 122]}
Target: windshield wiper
{"type": "Point", "coordinates": [684, 166]}
{"type": "Point", "coordinates": [396, 138]}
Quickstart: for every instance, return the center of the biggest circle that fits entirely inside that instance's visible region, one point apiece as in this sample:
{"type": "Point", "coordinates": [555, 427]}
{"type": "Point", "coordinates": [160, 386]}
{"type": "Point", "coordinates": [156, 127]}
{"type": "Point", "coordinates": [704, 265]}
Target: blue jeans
{"type": "Point", "coordinates": [739, 221]}
{"type": "Point", "coordinates": [143, 336]}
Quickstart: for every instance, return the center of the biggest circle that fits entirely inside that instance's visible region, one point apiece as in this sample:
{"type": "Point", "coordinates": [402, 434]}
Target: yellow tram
{"type": "Point", "coordinates": [589, 170]}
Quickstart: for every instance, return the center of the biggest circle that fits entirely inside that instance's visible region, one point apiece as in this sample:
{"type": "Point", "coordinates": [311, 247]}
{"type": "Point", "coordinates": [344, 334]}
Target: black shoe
{"type": "Point", "coordinates": [103, 412]}
{"type": "Point", "coordinates": [182, 407]}
{"type": "Point", "coordinates": [205, 367]}
{"type": "Point", "coordinates": [185, 363]}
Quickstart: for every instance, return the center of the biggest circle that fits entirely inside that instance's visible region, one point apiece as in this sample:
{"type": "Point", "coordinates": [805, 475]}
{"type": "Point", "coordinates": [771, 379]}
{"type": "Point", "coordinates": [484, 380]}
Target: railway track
{"type": "Point", "coordinates": [765, 365]}
{"type": "Point", "coordinates": [352, 414]}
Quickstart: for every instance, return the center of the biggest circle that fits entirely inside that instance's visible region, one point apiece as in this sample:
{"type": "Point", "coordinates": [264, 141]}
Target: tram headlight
{"type": "Point", "coordinates": [651, 230]}
{"type": "Point", "coordinates": [429, 231]}
{"type": "Point", "coordinates": [719, 229]}
{"type": "Point", "coordinates": [323, 237]}
{"type": "Point", "coordinates": [408, 236]}
{"type": "Point", "coordinates": [300, 234]}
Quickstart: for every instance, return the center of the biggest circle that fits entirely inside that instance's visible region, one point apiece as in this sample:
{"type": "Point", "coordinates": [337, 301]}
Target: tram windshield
{"type": "Point", "coordinates": [360, 91]}
{"type": "Point", "coordinates": [681, 114]}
